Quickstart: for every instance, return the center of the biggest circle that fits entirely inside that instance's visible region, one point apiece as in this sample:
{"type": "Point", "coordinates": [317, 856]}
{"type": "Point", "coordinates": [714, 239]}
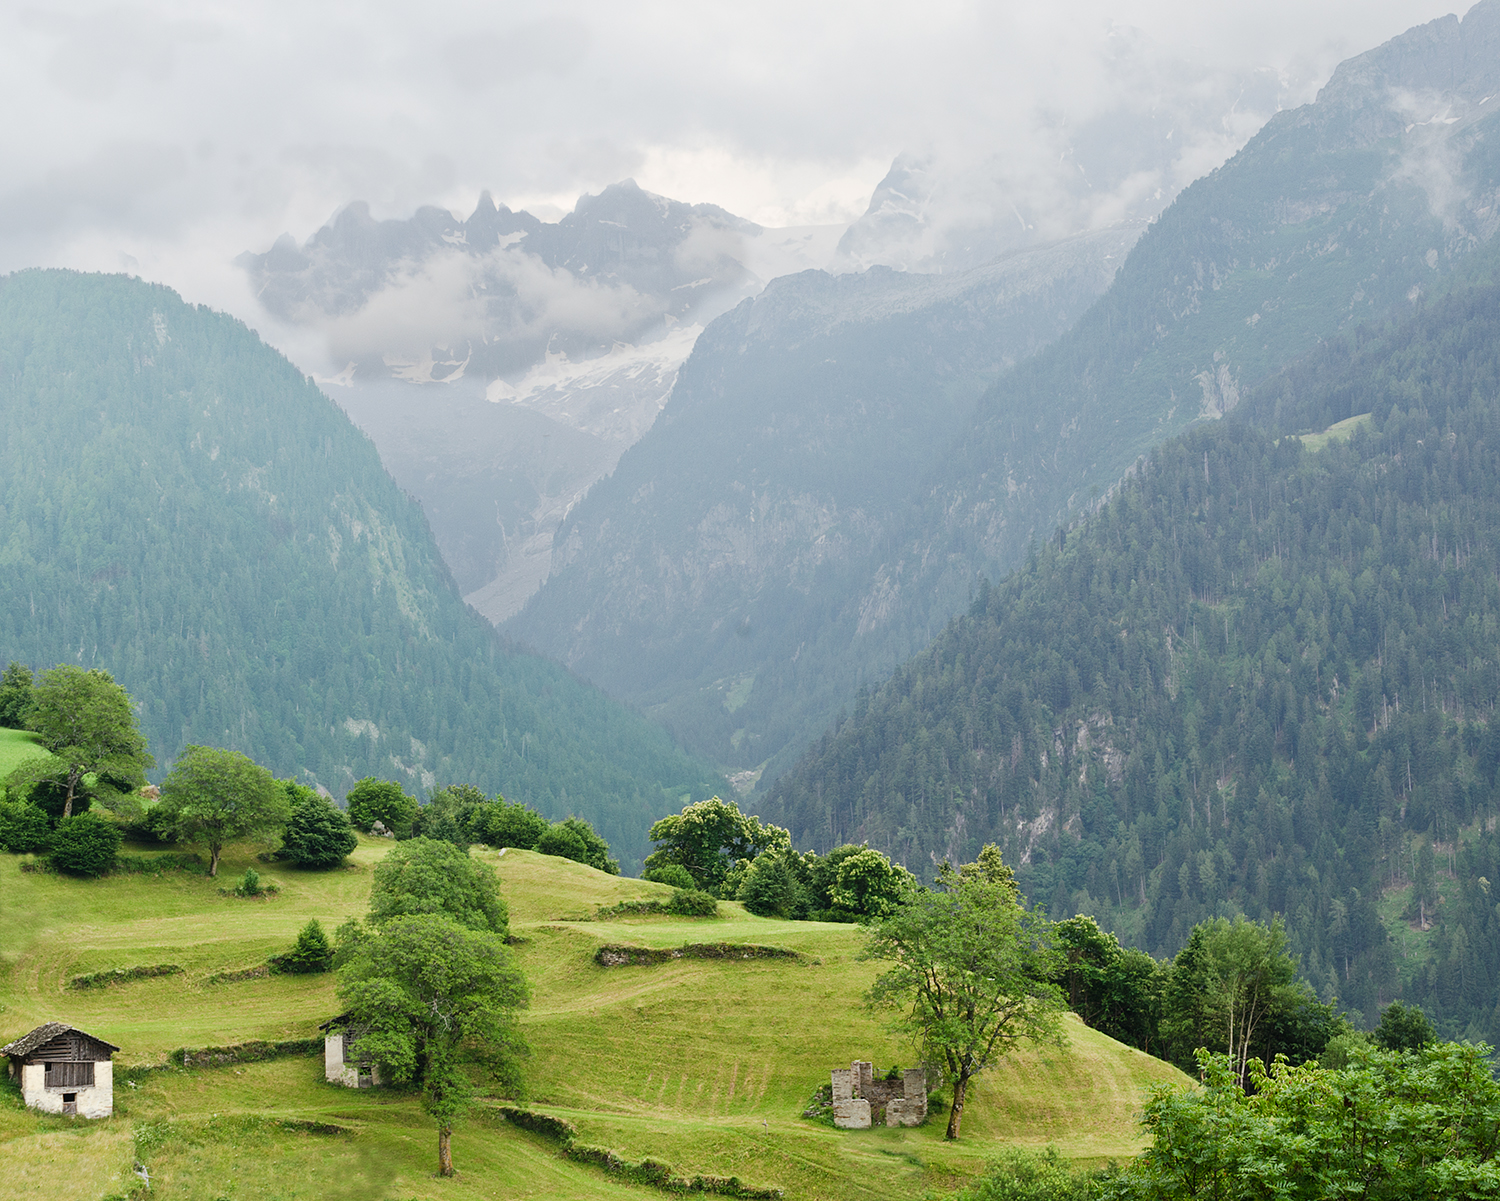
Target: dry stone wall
{"type": "Point", "coordinates": [859, 1100]}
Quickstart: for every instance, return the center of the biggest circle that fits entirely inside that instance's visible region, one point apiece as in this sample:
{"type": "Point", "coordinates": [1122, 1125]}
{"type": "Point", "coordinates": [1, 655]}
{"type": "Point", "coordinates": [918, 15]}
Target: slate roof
{"type": "Point", "coordinates": [44, 1034]}
{"type": "Point", "coordinates": [334, 1023]}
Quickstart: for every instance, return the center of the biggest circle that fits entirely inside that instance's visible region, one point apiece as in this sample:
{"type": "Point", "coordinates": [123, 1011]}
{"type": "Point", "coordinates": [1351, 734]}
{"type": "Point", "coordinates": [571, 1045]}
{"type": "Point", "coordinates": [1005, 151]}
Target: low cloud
{"type": "Point", "coordinates": [180, 134]}
{"type": "Point", "coordinates": [454, 300]}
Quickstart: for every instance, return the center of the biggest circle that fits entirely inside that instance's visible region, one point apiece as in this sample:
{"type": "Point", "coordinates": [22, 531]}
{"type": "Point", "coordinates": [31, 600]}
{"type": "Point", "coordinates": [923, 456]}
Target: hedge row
{"type": "Point", "coordinates": [120, 975]}
{"type": "Point", "coordinates": [619, 955]}
{"type": "Point", "coordinates": [251, 1052]}
{"type": "Point", "coordinates": [682, 903]}
{"type": "Point", "coordinates": [648, 1171]}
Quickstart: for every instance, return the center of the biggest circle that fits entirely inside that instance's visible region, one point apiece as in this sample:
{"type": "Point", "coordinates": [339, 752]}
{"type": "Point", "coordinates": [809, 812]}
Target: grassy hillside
{"type": "Point", "coordinates": [704, 1065]}
{"type": "Point", "coordinates": [16, 746]}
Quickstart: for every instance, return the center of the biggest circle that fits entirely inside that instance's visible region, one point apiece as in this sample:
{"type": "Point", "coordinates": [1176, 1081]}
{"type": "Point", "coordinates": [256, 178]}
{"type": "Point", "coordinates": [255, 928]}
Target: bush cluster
{"type": "Point", "coordinates": [648, 1171]}
{"type": "Point", "coordinates": [85, 845]}
{"type": "Point", "coordinates": [120, 975]}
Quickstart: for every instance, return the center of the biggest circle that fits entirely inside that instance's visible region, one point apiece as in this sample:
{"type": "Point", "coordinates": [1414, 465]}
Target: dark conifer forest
{"type": "Point", "coordinates": [182, 507]}
{"type": "Point", "coordinates": [1260, 678]}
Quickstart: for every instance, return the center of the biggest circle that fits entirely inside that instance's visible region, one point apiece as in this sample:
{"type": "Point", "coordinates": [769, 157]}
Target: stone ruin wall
{"type": "Point", "coordinates": [859, 1100]}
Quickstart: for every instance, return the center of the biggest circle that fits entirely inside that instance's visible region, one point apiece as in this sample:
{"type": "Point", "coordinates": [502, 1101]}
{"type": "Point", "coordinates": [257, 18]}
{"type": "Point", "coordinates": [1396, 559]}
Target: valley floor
{"type": "Point", "coordinates": [704, 1065]}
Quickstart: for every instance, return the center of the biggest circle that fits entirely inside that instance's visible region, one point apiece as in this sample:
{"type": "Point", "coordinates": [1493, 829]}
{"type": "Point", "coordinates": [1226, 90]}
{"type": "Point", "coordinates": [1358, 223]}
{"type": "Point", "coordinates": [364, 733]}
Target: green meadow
{"type": "Point", "coordinates": [704, 1065]}
{"type": "Point", "coordinates": [15, 747]}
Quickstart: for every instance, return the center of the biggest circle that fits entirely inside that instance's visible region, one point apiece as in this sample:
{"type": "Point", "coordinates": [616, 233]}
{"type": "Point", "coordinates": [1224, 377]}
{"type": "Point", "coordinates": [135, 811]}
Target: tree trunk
{"type": "Point", "coordinates": [445, 1150]}
{"type": "Point", "coordinates": [68, 800]}
{"type": "Point", "coordinates": [213, 859]}
{"type": "Point", "coordinates": [956, 1114]}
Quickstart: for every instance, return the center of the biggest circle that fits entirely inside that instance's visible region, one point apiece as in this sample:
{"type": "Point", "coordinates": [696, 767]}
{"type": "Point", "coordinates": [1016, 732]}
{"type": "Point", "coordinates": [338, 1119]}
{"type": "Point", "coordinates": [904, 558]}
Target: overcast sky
{"type": "Point", "coordinates": [165, 138]}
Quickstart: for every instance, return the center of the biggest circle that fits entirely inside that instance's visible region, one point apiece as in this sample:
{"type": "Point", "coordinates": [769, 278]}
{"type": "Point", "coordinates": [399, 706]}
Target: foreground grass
{"type": "Point", "coordinates": [705, 1065]}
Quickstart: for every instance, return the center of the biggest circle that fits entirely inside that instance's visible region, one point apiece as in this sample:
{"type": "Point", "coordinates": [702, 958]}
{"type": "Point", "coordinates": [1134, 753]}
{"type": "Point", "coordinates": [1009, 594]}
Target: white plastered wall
{"type": "Point", "coordinates": [97, 1101]}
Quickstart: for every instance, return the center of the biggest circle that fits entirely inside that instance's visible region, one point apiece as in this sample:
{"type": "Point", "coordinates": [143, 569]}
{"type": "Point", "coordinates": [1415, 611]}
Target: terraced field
{"type": "Point", "coordinates": [703, 1064]}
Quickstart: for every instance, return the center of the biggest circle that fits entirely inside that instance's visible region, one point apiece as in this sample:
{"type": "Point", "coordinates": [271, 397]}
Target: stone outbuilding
{"type": "Point", "coordinates": [342, 1063]}
{"type": "Point", "coordinates": [63, 1070]}
{"type": "Point", "coordinates": [859, 1100]}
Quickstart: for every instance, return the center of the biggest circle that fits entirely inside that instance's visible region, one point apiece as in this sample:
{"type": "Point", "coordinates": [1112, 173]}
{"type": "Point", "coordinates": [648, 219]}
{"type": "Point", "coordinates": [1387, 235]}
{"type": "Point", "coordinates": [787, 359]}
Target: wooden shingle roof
{"type": "Point", "coordinates": [44, 1034]}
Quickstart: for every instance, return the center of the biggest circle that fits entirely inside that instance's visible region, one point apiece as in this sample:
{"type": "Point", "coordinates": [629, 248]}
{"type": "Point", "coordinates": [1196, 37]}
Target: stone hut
{"type": "Point", "coordinates": [860, 1101]}
{"type": "Point", "coordinates": [342, 1063]}
{"type": "Point", "coordinates": [63, 1070]}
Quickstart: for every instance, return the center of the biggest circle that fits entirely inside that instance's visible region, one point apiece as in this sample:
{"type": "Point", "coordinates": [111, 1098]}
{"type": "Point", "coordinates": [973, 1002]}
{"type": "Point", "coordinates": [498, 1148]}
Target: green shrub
{"type": "Point", "coordinates": [85, 845]}
{"type": "Point", "coordinates": [1017, 1175]}
{"type": "Point", "coordinates": [692, 902]}
{"type": "Point", "coordinates": [311, 953]}
{"type": "Point", "coordinates": [674, 874]}
{"type": "Point", "coordinates": [249, 885]}
{"type": "Point", "coordinates": [773, 886]}
{"type": "Point", "coordinates": [24, 829]}
{"type": "Point", "coordinates": [573, 838]}
{"type": "Point", "coordinates": [317, 835]}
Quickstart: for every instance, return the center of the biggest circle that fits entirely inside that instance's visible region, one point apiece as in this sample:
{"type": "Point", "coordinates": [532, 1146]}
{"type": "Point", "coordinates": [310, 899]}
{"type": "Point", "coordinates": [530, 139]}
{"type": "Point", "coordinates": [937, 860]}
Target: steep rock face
{"type": "Point", "coordinates": [710, 578]}
{"type": "Point", "coordinates": [502, 363]}
{"type": "Point", "coordinates": [1352, 208]}
{"type": "Point", "coordinates": [1349, 209]}
{"type": "Point", "coordinates": [622, 267]}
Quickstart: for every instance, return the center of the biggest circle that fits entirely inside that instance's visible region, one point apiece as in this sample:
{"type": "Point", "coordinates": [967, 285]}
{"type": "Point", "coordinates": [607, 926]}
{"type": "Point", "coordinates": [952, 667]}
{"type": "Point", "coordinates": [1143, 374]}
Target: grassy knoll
{"type": "Point", "coordinates": [16, 746]}
{"type": "Point", "coordinates": [1339, 431]}
{"type": "Point", "coordinates": [705, 1065]}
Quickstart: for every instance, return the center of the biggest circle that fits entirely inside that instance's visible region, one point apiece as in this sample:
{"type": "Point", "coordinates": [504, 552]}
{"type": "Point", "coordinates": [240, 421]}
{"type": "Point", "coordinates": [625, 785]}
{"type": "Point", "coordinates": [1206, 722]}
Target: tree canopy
{"type": "Point", "coordinates": [430, 996]}
{"type": "Point", "coordinates": [87, 723]}
{"type": "Point", "coordinates": [972, 972]}
{"type": "Point", "coordinates": [372, 800]}
{"type": "Point", "coordinates": [709, 838]}
{"type": "Point", "coordinates": [317, 834]}
{"type": "Point", "coordinates": [423, 876]}
{"type": "Point", "coordinates": [213, 797]}
{"type": "Point", "coordinates": [15, 695]}
{"type": "Point", "coordinates": [1419, 1126]}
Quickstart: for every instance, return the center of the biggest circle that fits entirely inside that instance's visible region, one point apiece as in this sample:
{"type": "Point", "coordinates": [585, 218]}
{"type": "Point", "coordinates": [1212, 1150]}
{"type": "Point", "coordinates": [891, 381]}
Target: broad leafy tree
{"type": "Point", "coordinates": [1229, 979]}
{"type": "Point", "coordinates": [1112, 988]}
{"type": "Point", "coordinates": [87, 723]}
{"type": "Point", "coordinates": [709, 838]}
{"type": "Point", "coordinates": [372, 800]}
{"type": "Point", "coordinates": [502, 823]}
{"type": "Point", "coordinates": [317, 834]}
{"type": "Point", "coordinates": [435, 999]}
{"type": "Point", "coordinates": [971, 975]}
{"type": "Point", "coordinates": [213, 797]}
{"type": "Point", "coordinates": [424, 875]}
{"type": "Point", "coordinates": [1419, 1126]}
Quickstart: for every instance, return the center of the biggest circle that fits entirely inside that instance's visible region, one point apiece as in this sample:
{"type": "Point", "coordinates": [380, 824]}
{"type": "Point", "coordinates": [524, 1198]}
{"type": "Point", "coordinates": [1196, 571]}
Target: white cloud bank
{"type": "Point", "coordinates": [165, 138]}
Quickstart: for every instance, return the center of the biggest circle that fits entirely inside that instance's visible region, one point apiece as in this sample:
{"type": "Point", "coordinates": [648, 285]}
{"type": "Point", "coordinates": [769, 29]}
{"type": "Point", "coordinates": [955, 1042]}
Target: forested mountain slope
{"type": "Point", "coordinates": [1382, 192]}
{"type": "Point", "coordinates": [182, 507]}
{"type": "Point", "coordinates": [1262, 677]}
